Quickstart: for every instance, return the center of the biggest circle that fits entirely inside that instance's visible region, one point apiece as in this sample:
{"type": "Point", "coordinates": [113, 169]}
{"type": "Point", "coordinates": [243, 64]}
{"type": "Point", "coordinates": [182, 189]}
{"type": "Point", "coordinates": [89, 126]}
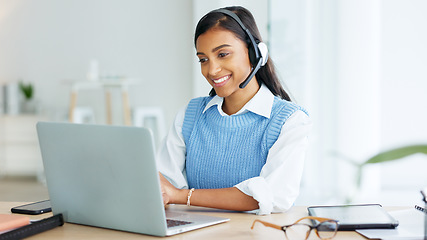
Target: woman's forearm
{"type": "Point", "coordinates": [224, 198]}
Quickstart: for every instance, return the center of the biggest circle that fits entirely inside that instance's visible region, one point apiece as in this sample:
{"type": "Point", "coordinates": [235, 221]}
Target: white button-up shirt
{"type": "Point", "coordinates": [277, 187]}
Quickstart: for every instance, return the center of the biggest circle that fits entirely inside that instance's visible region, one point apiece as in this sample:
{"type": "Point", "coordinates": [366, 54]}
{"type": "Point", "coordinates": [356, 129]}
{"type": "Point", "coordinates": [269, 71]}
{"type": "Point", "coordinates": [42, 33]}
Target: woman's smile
{"type": "Point", "coordinates": [219, 82]}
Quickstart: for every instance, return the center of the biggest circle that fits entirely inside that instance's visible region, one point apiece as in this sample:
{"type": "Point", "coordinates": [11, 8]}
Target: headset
{"type": "Point", "coordinates": [258, 52]}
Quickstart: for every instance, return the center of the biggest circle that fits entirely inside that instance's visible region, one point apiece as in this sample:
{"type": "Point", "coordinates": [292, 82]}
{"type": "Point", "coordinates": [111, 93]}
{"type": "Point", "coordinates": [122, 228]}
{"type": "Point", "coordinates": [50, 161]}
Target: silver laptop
{"type": "Point", "coordinates": [106, 176]}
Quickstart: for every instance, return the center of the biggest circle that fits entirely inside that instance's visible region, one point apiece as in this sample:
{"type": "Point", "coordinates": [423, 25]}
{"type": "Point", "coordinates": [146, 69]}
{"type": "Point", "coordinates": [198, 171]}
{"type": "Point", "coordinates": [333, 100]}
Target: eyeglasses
{"type": "Point", "coordinates": [325, 228]}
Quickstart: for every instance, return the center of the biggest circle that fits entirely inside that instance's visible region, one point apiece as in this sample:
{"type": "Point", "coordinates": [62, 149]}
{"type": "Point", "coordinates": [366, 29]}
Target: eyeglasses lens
{"type": "Point", "coordinates": [297, 232]}
{"type": "Point", "coordinates": [327, 230]}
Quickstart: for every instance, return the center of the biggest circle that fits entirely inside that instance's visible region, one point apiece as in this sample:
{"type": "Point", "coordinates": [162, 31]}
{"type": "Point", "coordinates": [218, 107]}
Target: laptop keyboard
{"type": "Point", "coordinates": [174, 223]}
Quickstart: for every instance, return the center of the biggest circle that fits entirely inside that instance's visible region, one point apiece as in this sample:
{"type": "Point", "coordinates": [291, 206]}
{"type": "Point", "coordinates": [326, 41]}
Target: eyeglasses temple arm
{"type": "Point", "coordinates": [267, 224]}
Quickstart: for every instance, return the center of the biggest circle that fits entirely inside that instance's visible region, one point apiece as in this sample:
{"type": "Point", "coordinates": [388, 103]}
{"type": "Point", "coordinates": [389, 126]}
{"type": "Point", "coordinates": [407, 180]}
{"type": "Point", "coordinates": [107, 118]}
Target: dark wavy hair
{"type": "Point", "coordinates": [267, 74]}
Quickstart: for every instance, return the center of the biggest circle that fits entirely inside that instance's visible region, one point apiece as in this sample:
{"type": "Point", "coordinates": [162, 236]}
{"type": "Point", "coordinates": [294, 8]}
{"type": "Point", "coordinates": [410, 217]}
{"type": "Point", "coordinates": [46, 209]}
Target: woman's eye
{"type": "Point", "coordinates": [221, 55]}
{"type": "Point", "coordinates": [202, 60]}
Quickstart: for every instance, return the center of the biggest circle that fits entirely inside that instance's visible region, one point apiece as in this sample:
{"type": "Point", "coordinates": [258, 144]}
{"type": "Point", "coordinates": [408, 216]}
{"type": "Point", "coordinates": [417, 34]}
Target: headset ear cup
{"type": "Point", "coordinates": [264, 52]}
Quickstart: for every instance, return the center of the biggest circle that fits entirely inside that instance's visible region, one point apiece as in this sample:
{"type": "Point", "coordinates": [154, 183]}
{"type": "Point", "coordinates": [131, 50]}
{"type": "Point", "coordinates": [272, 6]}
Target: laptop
{"type": "Point", "coordinates": [106, 176]}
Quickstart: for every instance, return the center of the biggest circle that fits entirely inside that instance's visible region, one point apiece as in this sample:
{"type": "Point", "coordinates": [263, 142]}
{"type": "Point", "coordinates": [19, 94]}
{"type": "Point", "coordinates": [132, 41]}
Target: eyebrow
{"type": "Point", "coordinates": [215, 49]}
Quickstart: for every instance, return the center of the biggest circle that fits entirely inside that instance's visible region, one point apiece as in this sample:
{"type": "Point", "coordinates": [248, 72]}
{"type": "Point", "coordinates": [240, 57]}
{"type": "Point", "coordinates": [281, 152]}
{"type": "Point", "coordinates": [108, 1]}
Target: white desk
{"type": "Point", "coordinates": [239, 227]}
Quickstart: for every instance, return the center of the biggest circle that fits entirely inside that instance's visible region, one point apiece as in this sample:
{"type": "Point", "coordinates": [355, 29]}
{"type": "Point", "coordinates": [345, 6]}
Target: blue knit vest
{"type": "Point", "coordinates": [225, 150]}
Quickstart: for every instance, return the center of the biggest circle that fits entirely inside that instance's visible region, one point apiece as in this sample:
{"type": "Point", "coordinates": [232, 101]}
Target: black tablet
{"type": "Point", "coordinates": [352, 217]}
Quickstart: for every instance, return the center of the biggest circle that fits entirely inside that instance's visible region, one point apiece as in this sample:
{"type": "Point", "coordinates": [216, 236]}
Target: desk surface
{"type": "Point", "coordinates": [237, 228]}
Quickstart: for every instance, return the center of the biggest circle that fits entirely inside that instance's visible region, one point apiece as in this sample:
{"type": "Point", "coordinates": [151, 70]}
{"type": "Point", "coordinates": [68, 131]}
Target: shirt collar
{"type": "Point", "coordinates": [260, 104]}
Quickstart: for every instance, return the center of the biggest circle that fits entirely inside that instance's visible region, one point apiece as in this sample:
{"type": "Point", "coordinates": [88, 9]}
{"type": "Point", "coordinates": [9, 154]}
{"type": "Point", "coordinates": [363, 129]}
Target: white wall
{"type": "Point", "coordinates": [50, 43]}
{"type": "Point", "coordinates": [358, 88]}
{"type": "Point", "coordinates": [381, 79]}
{"type": "Point", "coordinates": [404, 99]}
{"type": "Point", "coordinates": [359, 68]}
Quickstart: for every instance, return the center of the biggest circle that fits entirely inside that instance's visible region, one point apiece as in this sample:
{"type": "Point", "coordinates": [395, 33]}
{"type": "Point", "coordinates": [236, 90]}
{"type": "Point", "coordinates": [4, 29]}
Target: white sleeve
{"type": "Point", "coordinates": [278, 185]}
{"type": "Point", "coordinates": [171, 154]}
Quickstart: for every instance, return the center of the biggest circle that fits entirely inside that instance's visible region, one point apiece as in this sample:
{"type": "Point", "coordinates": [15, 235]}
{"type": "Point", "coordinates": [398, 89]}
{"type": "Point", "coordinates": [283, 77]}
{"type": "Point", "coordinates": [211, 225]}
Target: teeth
{"type": "Point", "coordinates": [220, 80]}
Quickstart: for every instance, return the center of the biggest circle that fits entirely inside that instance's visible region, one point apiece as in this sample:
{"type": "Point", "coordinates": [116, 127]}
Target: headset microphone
{"type": "Point", "coordinates": [252, 74]}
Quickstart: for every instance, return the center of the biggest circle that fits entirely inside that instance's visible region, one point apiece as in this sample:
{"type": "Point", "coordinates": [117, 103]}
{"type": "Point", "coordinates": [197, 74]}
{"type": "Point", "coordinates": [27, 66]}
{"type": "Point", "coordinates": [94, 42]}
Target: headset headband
{"type": "Point", "coordinates": [245, 29]}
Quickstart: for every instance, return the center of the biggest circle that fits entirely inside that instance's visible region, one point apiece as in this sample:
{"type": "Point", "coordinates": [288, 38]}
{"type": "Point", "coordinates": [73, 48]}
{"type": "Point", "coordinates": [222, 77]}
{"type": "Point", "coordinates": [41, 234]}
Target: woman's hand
{"type": "Point", "coordinates": [170, 193]}
{"type": "Point", "coordinates": [163, 182]}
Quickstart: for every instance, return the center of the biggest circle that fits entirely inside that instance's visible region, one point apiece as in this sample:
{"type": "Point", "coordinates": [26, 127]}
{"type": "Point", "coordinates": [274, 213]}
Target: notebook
{"type": "Point", "coordinates": [352, 217]}
{"type": "Point", "coordinates": [106, 176]}
{"type": "Point", "coordinates": [11, 221]}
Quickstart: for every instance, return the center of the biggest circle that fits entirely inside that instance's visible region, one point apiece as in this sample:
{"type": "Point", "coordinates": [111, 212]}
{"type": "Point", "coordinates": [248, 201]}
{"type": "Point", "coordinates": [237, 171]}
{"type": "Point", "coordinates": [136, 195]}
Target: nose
{"type": "Point", "coordinates": [214, 68]}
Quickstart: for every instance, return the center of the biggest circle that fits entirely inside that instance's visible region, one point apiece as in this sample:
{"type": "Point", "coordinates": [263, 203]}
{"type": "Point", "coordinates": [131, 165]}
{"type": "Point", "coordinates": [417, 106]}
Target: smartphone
{"type": "Point", "coordinates": [33, 208]}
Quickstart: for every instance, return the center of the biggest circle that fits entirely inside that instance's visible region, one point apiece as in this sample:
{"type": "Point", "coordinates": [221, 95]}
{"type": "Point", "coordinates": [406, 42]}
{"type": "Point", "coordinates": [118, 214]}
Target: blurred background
{"type": "Point", "coordinates": [358, 66]}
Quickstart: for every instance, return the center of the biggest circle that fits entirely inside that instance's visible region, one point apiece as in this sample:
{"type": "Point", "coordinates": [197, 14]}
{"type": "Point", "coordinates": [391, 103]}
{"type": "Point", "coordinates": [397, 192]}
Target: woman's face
{"type": "Point", "coordinates": [224, 61]}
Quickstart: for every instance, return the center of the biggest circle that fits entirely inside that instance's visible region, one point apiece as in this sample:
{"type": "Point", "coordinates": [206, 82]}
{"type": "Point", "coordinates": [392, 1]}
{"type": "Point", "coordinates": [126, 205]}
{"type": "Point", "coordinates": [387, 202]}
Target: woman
{"type": "Point", "coordinates": [241, 148]}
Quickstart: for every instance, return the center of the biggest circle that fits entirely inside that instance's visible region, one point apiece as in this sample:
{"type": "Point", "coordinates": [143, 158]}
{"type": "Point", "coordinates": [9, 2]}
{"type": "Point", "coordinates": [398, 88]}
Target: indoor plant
{"type": "Point", "coordinates": [382, 157]}
{"type": "Point", "coordinates": [28, 104]}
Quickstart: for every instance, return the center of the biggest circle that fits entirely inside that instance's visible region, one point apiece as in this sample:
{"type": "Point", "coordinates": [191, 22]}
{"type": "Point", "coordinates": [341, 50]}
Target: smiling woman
{"type": "Point", "coordinates": [243, 147]}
